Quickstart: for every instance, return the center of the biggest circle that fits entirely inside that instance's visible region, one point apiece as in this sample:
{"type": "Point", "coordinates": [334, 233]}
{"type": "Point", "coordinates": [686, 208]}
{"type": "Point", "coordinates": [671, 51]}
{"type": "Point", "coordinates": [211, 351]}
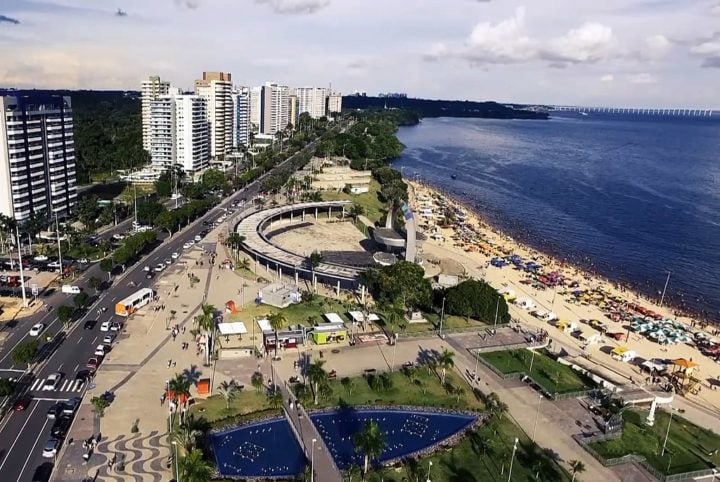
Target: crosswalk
{"type": "Point", "coordinates": [65, 386]}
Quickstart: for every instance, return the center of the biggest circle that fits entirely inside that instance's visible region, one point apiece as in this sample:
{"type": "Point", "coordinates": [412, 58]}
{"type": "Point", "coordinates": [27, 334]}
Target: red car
{"type": "Point", "coordinates": [93, 363]}
{"type": "Point", "coordinates": [21, 404]}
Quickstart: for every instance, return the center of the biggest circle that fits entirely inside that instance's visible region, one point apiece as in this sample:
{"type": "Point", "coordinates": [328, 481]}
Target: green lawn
{"type": "Point", "coordinates": [424, 390]}
{"type": "Point", "coordinates": [302, 313]}
{"type": "Point", "coordinates": [688, 446]}
{"type": "Point", "coordinates": [483, 455]}
{"type": "Point", "coordinates": [553, 376]}
{"type": "Point", "coordinates": [247, 402]}
{"type": "Point", "coordinates": [375, 209]}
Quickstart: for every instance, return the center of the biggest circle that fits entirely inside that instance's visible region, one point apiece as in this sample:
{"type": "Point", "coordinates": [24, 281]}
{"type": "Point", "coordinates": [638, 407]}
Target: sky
{"type": "Point", "coordinates": [633, 53]}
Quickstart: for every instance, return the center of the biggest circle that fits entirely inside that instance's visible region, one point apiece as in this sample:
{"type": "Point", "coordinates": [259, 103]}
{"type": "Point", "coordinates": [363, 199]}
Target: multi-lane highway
{"type": "Point", "coordinates": [24, 433]}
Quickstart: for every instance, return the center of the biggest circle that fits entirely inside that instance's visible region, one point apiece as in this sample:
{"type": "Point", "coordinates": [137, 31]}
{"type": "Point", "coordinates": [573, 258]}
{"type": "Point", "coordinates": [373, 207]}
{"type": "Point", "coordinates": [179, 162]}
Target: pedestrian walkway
{"type": "Point", "coordinates": [305, 431]}
{"type": "Point", "coordinates": [65, 386]}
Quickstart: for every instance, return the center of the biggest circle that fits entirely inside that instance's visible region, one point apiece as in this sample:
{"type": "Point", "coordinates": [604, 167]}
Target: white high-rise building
{"type": "Point", "coordinates": [179, 132]}
{"type": "Point", "coordinates": [334, 103]}
{"type": "Point", "coordinates": [255, 108]}
{"type": "Point", "coordinates": [312, 100]}
{"type": "Point", "coordinates": [37, 155]}
{"type": "Point", "coordinates": [274, 108]}
{"type": "Point", "coordinates": [216, 88]}
{"type": "Point", "coordinates": [241, 118]}
{"type": "Point", "coordinates": [150, 89]}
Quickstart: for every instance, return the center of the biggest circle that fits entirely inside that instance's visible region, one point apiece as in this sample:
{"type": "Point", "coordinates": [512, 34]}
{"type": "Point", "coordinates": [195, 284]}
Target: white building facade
{"type": "Point", "coordinates": [216, 88]}
{"type": "Point", "coordinates": [334, 103]}
{"type": "Point", "coordinates": [37, 155]}
{"type": "Point", "coordinates": [312, 100]}
{"type": "Point", "coordinates": [274, 108]}
{"type": "Point", "coordinates": [150, 90]}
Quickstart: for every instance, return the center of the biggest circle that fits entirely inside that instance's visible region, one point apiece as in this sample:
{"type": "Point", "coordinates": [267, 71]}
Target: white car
{"type": "Point", "coordinates": [37, 329]}
{"type": "Point", "coordinates": [175, 255]}
{"type": "Point", "coordinates": [52, 381]}
{"type": "Point", "coordinates": [198, 238]}
{"type": "Point", "coordinates": [187, 246]}
{"type": "Point", "coordinates": [51, 448]}
{"type": "Point", "coordinates": [159, 267]}
{"type": "Point", "coordinates": [168, 261]}
{"type": "Point", "coordinates": [105, 326]}
{"type": "Point", "coordinates": [146, 268]}
{"type": "Point", "coordinates": [115, 327]}
{"type": "Point", "coordinates": [100, 350]}
{"type": "Point", "coordinates": [109, 339]}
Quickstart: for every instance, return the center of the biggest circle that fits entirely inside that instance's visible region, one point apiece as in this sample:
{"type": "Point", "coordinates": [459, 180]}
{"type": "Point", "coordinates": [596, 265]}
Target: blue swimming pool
{"type": "Point", "coordinates": [406, 431]}
{"type": "Point", "coordinates": [263, 449]}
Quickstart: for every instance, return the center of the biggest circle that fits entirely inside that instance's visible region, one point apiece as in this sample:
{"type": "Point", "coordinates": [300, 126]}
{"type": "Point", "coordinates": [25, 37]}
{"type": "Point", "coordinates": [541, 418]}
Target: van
{"type": "Point", "coordinates": [70, 290]}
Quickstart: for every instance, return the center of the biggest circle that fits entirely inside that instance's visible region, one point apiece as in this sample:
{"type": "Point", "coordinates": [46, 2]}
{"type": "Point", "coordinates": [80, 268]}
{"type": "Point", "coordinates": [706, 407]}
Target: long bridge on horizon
{"type": "Point", "coordinates": [678, 112]}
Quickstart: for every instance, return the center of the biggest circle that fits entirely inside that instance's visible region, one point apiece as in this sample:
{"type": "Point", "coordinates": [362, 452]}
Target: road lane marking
{"type": "Point", "coordinates": [94, 340]}
{"type": "Point", "coordinates": [40, 433]}
{"type": "Point", "coordinates": [36, 384]}
{"type": "Point", "coordinates": [7, 455]}
{"type": "Point", "coordinates": [64, 385]}
{"type": "Point", "coordinates": [59, 367]}
{"type": "Point", "coordinates": [79, 340]}
{"type": "Point", "coordinates": [76, 367]}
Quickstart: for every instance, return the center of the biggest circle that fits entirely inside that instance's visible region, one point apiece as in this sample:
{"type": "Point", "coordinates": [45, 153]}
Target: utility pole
{"type": "Point", "coordinates": [662, 298]}
{"type": "Point", "coordinates": [512, 458]}
{"type": "Point", "coordinates": [22, 273]}
{"type": "Point", "coordinates": [497, 308]}
{"type": "Point", "coordinates": [442, 316]}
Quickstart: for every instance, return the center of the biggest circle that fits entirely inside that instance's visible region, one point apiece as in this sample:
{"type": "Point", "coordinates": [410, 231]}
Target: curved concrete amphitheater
{"type": "Point", "coordinates": [285, 262]}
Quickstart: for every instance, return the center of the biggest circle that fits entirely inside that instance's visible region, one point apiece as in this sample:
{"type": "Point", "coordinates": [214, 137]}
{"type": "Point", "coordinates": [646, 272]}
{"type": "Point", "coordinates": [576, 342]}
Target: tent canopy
{"type": "Point", "coordinates": [684, 363]}
{"type": "Point", "coordinates": [234, 328]}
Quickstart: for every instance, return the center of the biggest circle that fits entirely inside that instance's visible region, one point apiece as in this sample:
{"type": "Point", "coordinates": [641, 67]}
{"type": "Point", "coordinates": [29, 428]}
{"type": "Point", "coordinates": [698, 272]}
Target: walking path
{"type": "Point", "coordinates": [305, 431]}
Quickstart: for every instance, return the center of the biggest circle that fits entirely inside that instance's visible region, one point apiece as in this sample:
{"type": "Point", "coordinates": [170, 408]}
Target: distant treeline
{"type": "Point", "coordinates": [442, 108]}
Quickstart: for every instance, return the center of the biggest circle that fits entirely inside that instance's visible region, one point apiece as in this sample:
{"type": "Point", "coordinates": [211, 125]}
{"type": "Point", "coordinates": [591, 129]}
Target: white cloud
{"type": "Point", "coordinates": [657, 45]}
{"type": "Point", "coordinates": [714, 9]}
{"type": "Point", "coordinates": [643, 78]}
{"type": "Point", "coordinates": [295, 6]}
{"type": "Point", "coordinates": [591, 42]}
{"type": "Point", "coordinates": [607, 78]}
{"type": "Point", "coordinates": [504, 42]}
{"type": "Point", "coordinates": [707, 48]}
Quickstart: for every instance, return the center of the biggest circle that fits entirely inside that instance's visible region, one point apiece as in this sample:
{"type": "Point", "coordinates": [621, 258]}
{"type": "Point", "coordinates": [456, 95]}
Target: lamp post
{"type": "Point", "coordinates": [395, 338]}
{"type": "Point", "coordinates": [177, 462]}
{"type": "Point", "coordinates": [532, 360]}
{"type": "Point", "coordinates": [667, 433]}
{"type": "Point", "coordinates": [662, 298]}
{"type": "Point", "coordinates": [442, 316]}
{"type": "Point", "coordinates": [429, 466]}
{"type": "Point", "coordinates": [537, 415]}
{"type": "Point", "coordinates": [312, 461]}
{"type": "Point", "coordinates": [497, 308]}
{"type": "Point", "coordinates": [22, 274]}
{"type": "Point", "coordinates": [512, 458]}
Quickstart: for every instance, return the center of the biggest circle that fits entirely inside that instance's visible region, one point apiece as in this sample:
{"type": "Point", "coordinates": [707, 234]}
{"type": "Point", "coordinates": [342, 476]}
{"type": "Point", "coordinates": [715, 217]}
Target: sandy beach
{"type": "Point", "coordinates": [473, 243]}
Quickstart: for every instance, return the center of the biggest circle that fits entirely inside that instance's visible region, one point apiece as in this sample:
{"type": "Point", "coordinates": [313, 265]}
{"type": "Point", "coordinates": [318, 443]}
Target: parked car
{"type": "Point", "coordinates": [109, 338]}
{"type": "Point", "coordinates": [52, 381]}
{"type": "Point", "coordinates": [82, 375]}
{"type": "Point", "coordinates": [175, 255]}
{"type": "Point", "coordinates": [150, 275]}
{"type": "Point", "coordinates": [43, 472]}
{"type": "Point", "coordinates": [105, 326]}
{"type": "Point", "coordinates": [187, 246]}
{"type": "Point", "coordinates": [37, 329]}
{"type": "Point", "coordinates": [198, 238]}
{"type": "Point", "coordinates": [93, 363]}
{"type": "Point", "coordinates": [50, 448]}
{"type": "Point", "coordinates": [115, 327]}
{"type": "Point", "coordinates": [60, 427]}
{"type": "Point", "coordinates": [71, 406]}
{"type": "Point", "coordinates": [147, 268]}
{"type": "Point", "coordinates": [54, 411]}
{"type": "Point", "coordinates": [100, 350]}
{"type": "Point", "coordinates": [168, 261]}
{"type": "Point", "coordinates": [159, 267]}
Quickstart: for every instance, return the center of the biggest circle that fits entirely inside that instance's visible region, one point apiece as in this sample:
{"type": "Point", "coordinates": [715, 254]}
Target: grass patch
{"type": "Point", "coordinates": [551, 375]}
{"type": "Point", "coordinates": [247, 405]}
{"type": "Point", "coordinates": [483, 455]}
{"type": "Point", "coordinates": [375, 209]}
{"type": "Point", "coordinates": [424, 389]}
{"type": "Point", "coordinates": [299, 314]}
{"type": "Point", "coordinates": [689, 447]}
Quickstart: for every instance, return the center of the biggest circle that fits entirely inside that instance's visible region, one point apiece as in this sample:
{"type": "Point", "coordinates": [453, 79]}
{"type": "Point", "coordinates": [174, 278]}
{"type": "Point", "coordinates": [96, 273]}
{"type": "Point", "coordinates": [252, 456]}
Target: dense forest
{"type": "Point", "coordinates": [441, 108]}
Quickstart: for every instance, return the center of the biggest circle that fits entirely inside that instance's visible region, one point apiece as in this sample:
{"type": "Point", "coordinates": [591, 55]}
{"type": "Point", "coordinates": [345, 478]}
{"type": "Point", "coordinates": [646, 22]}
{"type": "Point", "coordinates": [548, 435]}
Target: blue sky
{"type": "Point", "coordinates": [643, 53]}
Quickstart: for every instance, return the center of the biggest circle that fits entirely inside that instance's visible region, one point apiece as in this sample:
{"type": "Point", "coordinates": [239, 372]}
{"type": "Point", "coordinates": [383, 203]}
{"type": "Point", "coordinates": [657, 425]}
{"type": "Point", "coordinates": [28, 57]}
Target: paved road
{"type": "Point", "coordinates": [23, 434]}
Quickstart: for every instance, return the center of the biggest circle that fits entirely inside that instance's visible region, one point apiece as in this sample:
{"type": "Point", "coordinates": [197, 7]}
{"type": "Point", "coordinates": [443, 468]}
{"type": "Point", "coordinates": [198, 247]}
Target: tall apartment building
{"type": "Point", "coordinates": [150, 89]}
{"type": "Point", "coordinates": [255, 107]}
{"type": "Point", "coordinates": [334, 102]}
{"type": "Point", "coordinates": [293, 109]}
{"type": "Point", "coordinates": [241, 118]}
{"type": "Point", "coordinates": [216, 88]}
{"type": "Point", "coordinates": [37, 155]}
{"type": "Point", "coordinates": [274, 108]}
{"type": "Point", "coordinates": [312, 100]}
{"type": "Point", "coordinates": [179, 132]}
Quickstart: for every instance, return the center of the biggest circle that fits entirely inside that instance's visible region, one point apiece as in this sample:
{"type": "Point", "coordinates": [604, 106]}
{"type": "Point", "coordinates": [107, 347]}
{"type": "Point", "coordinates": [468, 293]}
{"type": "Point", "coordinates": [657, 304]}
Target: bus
{"type": "Point", "coordinates": [134, 302]}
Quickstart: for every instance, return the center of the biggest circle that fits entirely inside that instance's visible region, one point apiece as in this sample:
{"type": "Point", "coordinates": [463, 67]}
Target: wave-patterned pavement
{"type": "Point", "coordinates": [143, 458]}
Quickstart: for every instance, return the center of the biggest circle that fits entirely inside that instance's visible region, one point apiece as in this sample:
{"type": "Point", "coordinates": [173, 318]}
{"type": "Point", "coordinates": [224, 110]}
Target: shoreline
{"type": "Point", "coordinates": [574, 263]}
{"type": "Point", "coordinates": [550, 260]}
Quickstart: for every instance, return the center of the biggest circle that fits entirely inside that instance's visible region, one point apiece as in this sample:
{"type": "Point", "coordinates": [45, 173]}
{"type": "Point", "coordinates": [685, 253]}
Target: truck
{"type": "Point", "coordinates": [70, 289]}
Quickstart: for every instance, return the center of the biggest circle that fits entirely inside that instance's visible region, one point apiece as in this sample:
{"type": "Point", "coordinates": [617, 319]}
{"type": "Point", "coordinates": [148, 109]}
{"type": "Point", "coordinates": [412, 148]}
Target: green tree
{"type": "Point", "coordinates": [318, 378]}
{"type": "Point", "coordinates": [6, 387]}
{"type": "Point", "coordinates": [195, 468]}
{"type": "Point", "coordinates": [206, 322]}
{"type": "Point", "coordinates": [578, 467]}
{"type": "Point", "coordinates": [81, 300]}
{"type": "Point", "coordinates": [347, 383]}
{"type": "Point", "coordinates": [94, 283]}
{"type": "Point", "coordinates": [277, 322]}
{"type": "Point", "coordinates": [107, 266]}
{"type": "Point", "coordinates": [25, 352]}
{"type": "Point", "coordinates": [213, 179]}
{"type": "Point", "coordinates": [187, 437]}
{"type": "Point", "coordinates": [370, 441]}
{"type": "Point", "coordinates": [167, 221]}
{"type": "Point", "coordinates": [478, 300]}
{"type": "Point", "coordinates": [179, 385]}
{"type": "Point", "coordinates": [100, 404]}
{"type": "Point", "coordinates": [274, 398]}
{"type": "Point", "coordinates": [148, 212]}
{"type": "Point", "coordinates": [257, 380]}
{"type": "Point", "coordinates": [65, 313]}
{"type": "Point", "coordinates": [445, 361]}
{"type": "Point", "coordinates": [403, 282]}
{"type": "Point", "coordinates": [229, 390]}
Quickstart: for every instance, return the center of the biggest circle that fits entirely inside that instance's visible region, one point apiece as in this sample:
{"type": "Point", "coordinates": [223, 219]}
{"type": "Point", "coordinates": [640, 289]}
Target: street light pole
{"type": "Point", "coordinates": [667, 433]}
{"type": "Point", "coordinates": [177, 462]}
{"type": "Point", "coordinates": [57, 233]}
{"type": "Point", "coordinates": [429, 466]}
{"type": "Point", "coordinates": [395, 337]}
{"type": "Point", "coordinates": [512, 458]}
{"type": "Point", "coordinates": [497, 308]}
{"type": "Point", "coordinates": [537, 415]}
{"type": "Point", "coordinates": [532, 359]}
{"type": "Point", "coordinates": [442, 316]}
{"type": "Point", "coordinates": [662, 298]}
{"type": "Point", "coordinates": [312, 461]}
{"type": "Point", "coordinates": [22, 274]}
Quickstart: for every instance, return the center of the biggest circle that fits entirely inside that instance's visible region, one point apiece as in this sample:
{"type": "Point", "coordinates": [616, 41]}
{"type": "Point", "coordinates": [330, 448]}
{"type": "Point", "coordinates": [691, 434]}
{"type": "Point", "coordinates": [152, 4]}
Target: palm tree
{"type": "Point", "coordinates": [206, 322]}
{"type": "Point", "coordinates": [356, 211]}
{"type": "Point", "coordinates": [314, 261]}
{"type": "Point", "coordinates": [277, 321]}
{"type": "Point", "coordinates": [445, 361]}
{"type": "Point", "coordinates": [353, 471]}
{"type": "Point", "coordinates": [370, 441]}
{"type": "Point", "coordinates": [274, 398]}
{"type": "Point", "coordinates": [318, 377]}
{"type": "Point", "coordinates": [179, 386]}
{"type": "Point", "coordinates": [229, 390]}
{"type": "Point", "coordinates": [244, 264]}
{"type": "Point", "coordinates": [578, 467]}
{"type": "Point", "coordinates": [194, 467]}
{"type": "Point", "coordinates": [187, 437]}
{"type": "Point", "coordinates": [234, 241]}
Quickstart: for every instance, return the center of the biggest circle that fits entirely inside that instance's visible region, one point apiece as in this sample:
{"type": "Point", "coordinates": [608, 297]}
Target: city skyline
{"type": "Point", "coordinates": [645, 53]}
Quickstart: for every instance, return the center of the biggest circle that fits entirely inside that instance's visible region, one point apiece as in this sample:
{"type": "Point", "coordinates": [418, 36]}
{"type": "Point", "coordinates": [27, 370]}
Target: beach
{"type": "Point", "coordinates": [474, 243]}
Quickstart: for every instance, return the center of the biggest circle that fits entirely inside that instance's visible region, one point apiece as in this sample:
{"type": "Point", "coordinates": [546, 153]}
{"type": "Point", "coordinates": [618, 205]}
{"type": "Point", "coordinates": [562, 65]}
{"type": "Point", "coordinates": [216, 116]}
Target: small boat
{"type": "Point", "coordinates": [453, 176]}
